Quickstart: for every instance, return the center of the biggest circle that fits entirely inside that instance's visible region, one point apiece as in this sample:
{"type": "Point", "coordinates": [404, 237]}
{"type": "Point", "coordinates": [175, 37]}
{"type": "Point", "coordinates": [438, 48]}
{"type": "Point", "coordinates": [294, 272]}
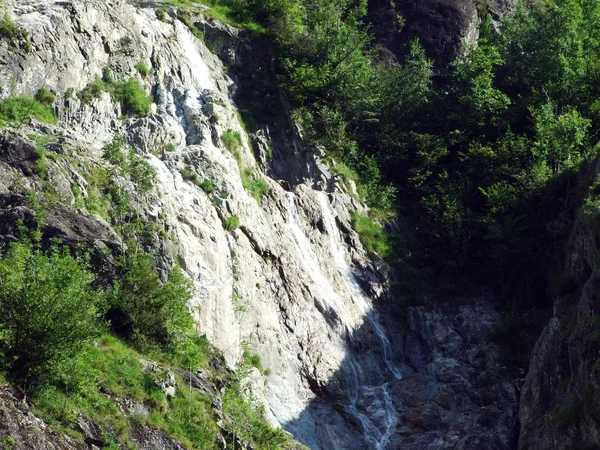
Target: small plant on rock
{"type": "Point", "coordinates": [45, 96]}
{"type": "Point", "coordinates": [143, 69]}
{"type": "Point", "coordinates": [231, 223]}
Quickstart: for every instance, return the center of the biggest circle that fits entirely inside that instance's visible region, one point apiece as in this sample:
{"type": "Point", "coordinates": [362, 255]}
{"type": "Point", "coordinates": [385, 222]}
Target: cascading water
{"type": "Point", "coordinates": [338, 254]}
{"type": "Point", "coordinates": [379, 419]}
{"type": "Point", "coordinates": [384, 412]}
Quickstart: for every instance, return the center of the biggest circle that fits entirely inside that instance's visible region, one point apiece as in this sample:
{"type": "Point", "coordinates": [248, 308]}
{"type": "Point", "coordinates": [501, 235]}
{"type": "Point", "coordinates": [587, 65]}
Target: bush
{"type": "Point", "coordinates": [92, 90]}
{"type": "Point", "coordinates": [20, 109]}
{"type": "Point", "coordinates": [143, 69]}
{"type": "Point", "coordinates": [143, 310]}
{"type": "Point", "coordinates": [133, 98]}
{"type": "Point", "coordinates": [48, 307]}
{"type": "Point", "coordinates": [113, 151]}
{"type": "Point", "coordinates": [45, 96]}
{"type": "Point", "coordinates": [231, 223]}
{"type": "Point", "coordinates": [140, 171]}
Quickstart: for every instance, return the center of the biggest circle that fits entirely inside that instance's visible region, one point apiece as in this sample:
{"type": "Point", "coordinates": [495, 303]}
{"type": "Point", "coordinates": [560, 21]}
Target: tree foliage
{"type": "Point", "coordinates": [49, 308]}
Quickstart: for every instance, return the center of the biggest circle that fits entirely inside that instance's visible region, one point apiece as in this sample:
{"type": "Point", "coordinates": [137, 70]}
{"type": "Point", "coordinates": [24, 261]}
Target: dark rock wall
{"type": "Point", "coordinates": [440, 26]}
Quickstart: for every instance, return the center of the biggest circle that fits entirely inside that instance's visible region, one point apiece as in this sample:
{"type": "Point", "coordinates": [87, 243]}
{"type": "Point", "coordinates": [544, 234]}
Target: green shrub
{"type": "Point", "coordinates": [252, 359]}
{"type": "Point", "coordinates": [231, 223]}
{"type": "Point", "coordinates": [143, 69]}
{"type": "Point", "coordinates": [248, 423]}
{"type": "Point", "coordinates": [170, 147]}
{"type": "Point", "coordinates": [108, 76]}
{"type": "Point", "coordinates": [92, 90]}
{"type": "Point", "coordinates": [208, 186]}
{"type": "Point", "coordinates": [48, 307]}
{"type": "Point", "coordinates": [162, 14]}
{"type": "Point", "coordinates": [372, 234]}
{"type": "Point", "coordinates": [232, 140]}
{"type": "Point", "coordinates": [45, 96]}
{"type": "Point", "coordinates": [21, 109]}
{"type": "Point", "coordinates": [140, 171]}
{"type": "Point", "coordinates": [143, 310]}
{"type": "Point", "coordinates": [133, 98]}
{"type": "Point", "coordinates": [113, 151]}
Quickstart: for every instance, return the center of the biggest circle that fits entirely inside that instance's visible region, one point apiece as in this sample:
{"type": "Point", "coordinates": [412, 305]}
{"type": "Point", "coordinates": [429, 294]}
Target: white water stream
{"type": "Point", "coordinates": [379, 419]}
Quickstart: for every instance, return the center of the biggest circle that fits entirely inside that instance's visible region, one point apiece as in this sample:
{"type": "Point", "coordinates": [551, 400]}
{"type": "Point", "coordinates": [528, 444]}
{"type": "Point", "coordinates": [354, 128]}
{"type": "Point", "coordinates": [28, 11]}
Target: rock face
{"type": "Point", "coordinates": [441, 26]}
{"type": "Point", "coordinates": [292, 283]}
{"type": "Point", "coordinates": [559, 401]}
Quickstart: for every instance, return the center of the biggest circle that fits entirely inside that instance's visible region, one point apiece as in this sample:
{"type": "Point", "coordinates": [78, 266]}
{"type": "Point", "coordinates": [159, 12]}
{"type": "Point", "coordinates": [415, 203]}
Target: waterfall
{"type": "Point", "coordinates": [338, 254]}
{"type": "Point", "coordinates": [379, 420]}
{"type": "Point", "coordinates": [385, 409]}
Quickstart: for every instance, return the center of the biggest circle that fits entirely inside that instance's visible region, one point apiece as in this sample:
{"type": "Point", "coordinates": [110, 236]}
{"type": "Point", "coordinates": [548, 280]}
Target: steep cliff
{"type": "Point", "coordinates": [559, 400]}
{"type": "Point", "coordinates": [277, 267]}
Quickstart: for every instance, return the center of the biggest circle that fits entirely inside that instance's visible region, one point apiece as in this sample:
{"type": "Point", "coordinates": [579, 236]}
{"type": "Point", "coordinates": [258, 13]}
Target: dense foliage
{"type": "Point", "coordinates": [49, 309]}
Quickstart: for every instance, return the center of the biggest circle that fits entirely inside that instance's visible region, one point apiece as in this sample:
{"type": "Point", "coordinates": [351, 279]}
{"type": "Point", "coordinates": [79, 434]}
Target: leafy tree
{"type": "Point", "coordinates": [560, 139]}
{"type": "Point", "coordinates": [49, 307]}
{"type": "Point", "coordinates": [145, 311]}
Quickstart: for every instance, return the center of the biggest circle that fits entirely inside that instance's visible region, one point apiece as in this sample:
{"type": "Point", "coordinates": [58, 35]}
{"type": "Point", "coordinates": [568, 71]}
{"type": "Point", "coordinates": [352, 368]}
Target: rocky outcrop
{"type": "Point", "coordinates": [20, 429]}
{"type": "Point", "coordinates": [456, 398]}
{"type": "Point", "coordinates": [560, 397]}
{"type": "Point", "coordinates": [441, 26]}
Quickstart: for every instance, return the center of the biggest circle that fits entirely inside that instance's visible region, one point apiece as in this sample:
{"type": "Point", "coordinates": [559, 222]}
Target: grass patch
{"type": "Point", "coordinates": [40, 146]}
{"type": "Point", "coordinates": [223, 11]}
{"type": "Point", "coordinates": [190, 175]}
{"type": "Point", "coordinates": [372, 234]}
{"type": "Point", "coordinates": [143, 69]}
{"type": "Point", "coordinates": [208, 186]}
{"type": "Point", "coordinates": [231, 223]}
{"type": "Point", "coordinates": [20, 109]}
{"type": "Point", "coordinates": [91, 386]}
{"type": "Point", "coordinates": [13, 34]}
{"type": "Point", "coordinates": [162, 14]}
{"type": "Point", "coordinates": [232, 140]}
{"type": "Point", "coordinates": [112, 367]}
{"type": "Point", "coordinates": [257, 186]}
{"type": "Point", "coordinates": [97, 202]}
{"type": "Point", "coordinates": [133, 98]}
{"type": "Point", "coordinates": [131, 94]}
